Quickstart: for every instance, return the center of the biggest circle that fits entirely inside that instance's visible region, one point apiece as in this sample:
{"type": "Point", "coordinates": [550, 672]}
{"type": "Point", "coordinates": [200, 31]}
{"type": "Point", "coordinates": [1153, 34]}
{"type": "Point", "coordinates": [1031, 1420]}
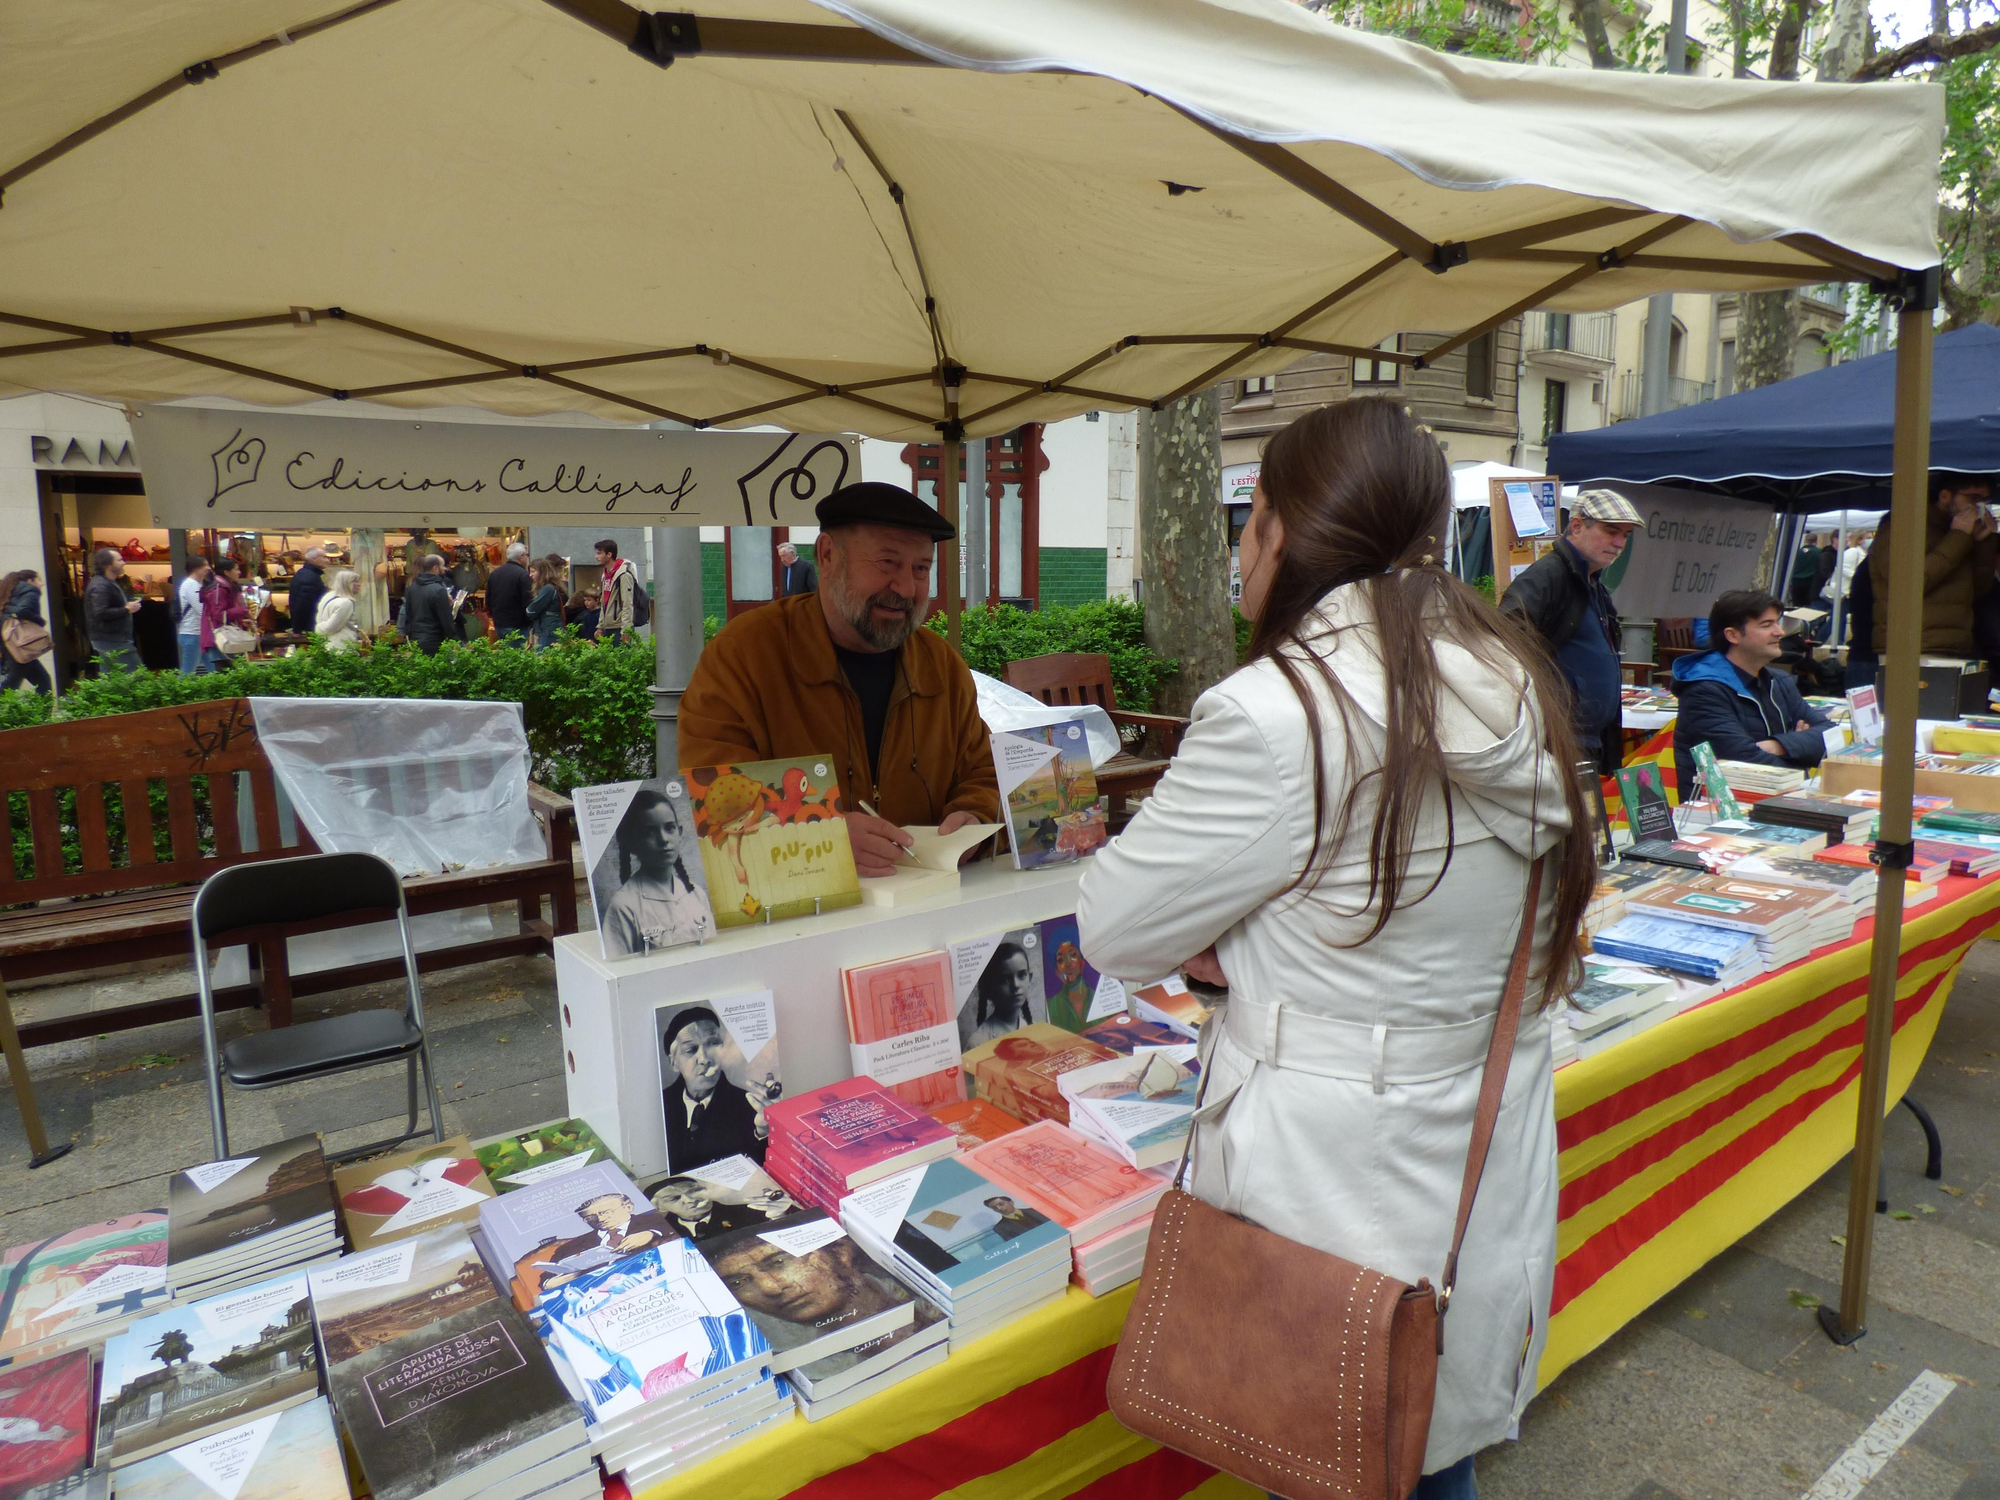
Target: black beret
{"type": "Point", "coordinates": [876, 504]}
{"type": "Point", "coordinates": [684, 1019]}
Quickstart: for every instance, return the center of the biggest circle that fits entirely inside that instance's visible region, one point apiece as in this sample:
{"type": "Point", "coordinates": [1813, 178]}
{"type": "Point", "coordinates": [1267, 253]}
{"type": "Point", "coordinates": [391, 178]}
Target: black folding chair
{"type": "Point", "coordinates": [274, 897]}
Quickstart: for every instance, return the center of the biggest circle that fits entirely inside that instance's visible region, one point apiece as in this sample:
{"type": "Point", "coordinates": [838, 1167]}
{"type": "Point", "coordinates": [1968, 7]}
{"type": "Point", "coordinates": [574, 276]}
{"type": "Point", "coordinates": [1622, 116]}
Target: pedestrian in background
{"type": "Point", "coordinates": [22, 593]}
{"type": "Point", "coordinates": [187, 615]}
{"type": "Point", "coordinates": [430, 608]}
{"type": "Point", "coordinates": [508, 590]}
{"type": "Point", "coordinates": [221, 604]}
{"type": "Point", "coordinates": [308, 588]}
{"type": "Point", "coordinates": [795, 576]}
{"type": "Point", "coordinates": [544, 611]}
{"type": "Point", "coordinates": [334, 623]}
{"type": "Point", "coordinates": [108, 611]}
{"type": "Point", "coordinates": [616, 611]}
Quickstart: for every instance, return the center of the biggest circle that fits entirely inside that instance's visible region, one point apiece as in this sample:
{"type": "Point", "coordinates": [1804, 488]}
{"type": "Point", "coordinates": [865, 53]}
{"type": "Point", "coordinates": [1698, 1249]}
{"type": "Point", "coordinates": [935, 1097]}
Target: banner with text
{"type": "Point", "coordinates": [1690, 549]}
{"type": "Point", "coordinates": [271, 470]}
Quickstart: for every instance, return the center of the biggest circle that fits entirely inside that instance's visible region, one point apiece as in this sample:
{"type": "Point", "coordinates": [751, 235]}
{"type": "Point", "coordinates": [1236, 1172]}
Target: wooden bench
{"type": "Point", "coordinates": [125, 890]}
{"type": "Point", "coordinates": [1067, 679]}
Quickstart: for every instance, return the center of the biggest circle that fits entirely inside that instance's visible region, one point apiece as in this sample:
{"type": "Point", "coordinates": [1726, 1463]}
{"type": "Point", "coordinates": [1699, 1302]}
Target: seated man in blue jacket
{"type": "Point", "coordinates": [1730, 697]}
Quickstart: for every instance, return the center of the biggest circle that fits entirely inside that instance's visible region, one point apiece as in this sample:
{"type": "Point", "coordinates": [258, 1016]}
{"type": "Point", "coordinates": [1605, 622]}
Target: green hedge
{"type": "Point", "coordinates": [588, 706]}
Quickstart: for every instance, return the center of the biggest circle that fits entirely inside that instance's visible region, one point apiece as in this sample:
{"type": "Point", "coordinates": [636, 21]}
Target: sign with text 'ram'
{"type": "Point", "coordinates": [271, 470]}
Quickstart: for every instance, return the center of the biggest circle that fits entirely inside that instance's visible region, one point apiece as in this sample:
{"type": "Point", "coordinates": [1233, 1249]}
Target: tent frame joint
{"type": "Point", "coordinates": [1912, 291]}
{"type": "Point", "coordinates": [1446, 255]}
{"type": "Point", "coordinates": [1888, 854]}
{"type": "Point", "coordinates": [664, 35]}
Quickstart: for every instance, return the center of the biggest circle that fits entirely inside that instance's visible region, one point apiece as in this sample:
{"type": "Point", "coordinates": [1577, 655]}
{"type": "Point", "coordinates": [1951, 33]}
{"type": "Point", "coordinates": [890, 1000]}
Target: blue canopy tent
{"type": "Point", "coordinates": [1811, 443]}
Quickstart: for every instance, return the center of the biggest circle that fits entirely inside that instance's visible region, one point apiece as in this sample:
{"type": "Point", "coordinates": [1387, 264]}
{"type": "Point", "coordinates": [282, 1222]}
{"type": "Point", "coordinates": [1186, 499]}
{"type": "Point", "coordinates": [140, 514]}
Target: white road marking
{"type": "Point", "coordinates": [1896, 1426]}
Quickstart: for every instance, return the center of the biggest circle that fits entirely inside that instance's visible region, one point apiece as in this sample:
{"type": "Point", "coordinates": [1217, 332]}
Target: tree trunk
{"type": "Point", "coordinates": [1596, 40]}
{"type": "Point", "coordinates": [1846, 46]}
{"type": "Point", "coordinates": [1785, 42]}
{"type": "Point", "coordinates": [1184, 546]}
{"type": "Point", "coordinates": [1767, 336]}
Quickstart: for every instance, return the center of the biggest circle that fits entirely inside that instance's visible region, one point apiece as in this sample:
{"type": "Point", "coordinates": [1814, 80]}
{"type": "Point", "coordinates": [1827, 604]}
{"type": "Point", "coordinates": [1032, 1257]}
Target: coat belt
{"type": "Point", "coordinates": [1378, 1055]}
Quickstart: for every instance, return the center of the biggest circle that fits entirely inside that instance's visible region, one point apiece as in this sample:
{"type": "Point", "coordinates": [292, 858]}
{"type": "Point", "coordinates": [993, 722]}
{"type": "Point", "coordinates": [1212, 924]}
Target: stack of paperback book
{"type": "Point", "coordinates": [1960, 820]}
{"type": "Point", "coordinates": [1139, 1107]}
{"type": "Point", "coordinates": [1103, 1201]}
{"type": "Point", "coordinates": [406, 1192]}
{"type": "Point", "coordinates": [1927, 866]}
{"type": "Point", "coordinates": [1800, 840]}
{"type": "Point", "coordinates": [1125, 1033]}
{"type": "Point", "coordinates": [233, 1222]}
{"type": "Point", "coordinates": [46, 1424]}
{"type": "Point", "coordinates": [184, 1373]}
{"type": "Point", "coordinates": [81, 1287]}
{"type": "Point", "coordinates": [667, 1364]}
{"type": "Point", "coordinates": [901, 1018]}
{"type": "Point", "coordinates": [1613, 993]}
{"type": "Point", "coordinates": [1114, 1259]}
{"type": "Point", "coordinates": [827, 1142]}
{"type": "Point", "coordinates": [1841, 822]}
{"type": "Point", "coordinates": [1720, 956]}
{"type": "Point", "coordinates": [1018, 1071]}
{"type": "Point", "coordinates": [293, 1454]}
{"type": "Point", "coordinates": [555, 1229]}
{"type": "Point", "coordinates": [1777, 916]}
{"type": "Point", "coordinates": [974, 1121]}
{"type": "Point", "coordinates": [441, 1385]}
{"type": "Point", "coordinates": [963, 1241]}
{"type": "Point", "coordinates": [1748, 776]}
{"type": "Point", "coordinates": [820, 1299]}
{"type": "Point", "coordinates": [825, 1386]}
{"type": "Point", "coordinates": [1170, 1002]}
{"type": "Point", "coordinates": [531, 1156]}
{"type": "Point", "coordinates": [1614, 883]}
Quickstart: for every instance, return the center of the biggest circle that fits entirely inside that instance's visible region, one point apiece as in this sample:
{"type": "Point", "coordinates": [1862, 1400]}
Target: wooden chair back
{"type": "Point", "coordinates": [1675, 632]}
{"type": "Point", "coordinates": [96, 781]}
{"type": "Point", "coordinates": [1065, 679]}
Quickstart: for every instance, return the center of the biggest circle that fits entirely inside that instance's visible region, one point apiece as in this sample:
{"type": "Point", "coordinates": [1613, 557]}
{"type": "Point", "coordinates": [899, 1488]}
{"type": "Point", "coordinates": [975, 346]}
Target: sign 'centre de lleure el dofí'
{"type": "Point", "coordinates": [216, 468]}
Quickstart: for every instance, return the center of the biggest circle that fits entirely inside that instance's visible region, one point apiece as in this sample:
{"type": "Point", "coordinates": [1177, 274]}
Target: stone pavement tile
{"type": "Point", "coordinates": [168, 1130]}
{"type": "Point", "coordinates": [1652, 1406]}
{"type": "Point", "coordinates": [1761, 1313]}
{"type": "Point", "coordinates": [1651, 1491]}
{"type": "Point", "coordinates": [346, 1101]}
{"type": "Point", "coordinates": [510, 1109]}
{"type": "Point", "coordinates": [64, 1214]}
{"type": "Point", "coordinates": [1981, 1486]}
{"type": "Point", "coordinates": [1928, 1269]}
{"type": "Point", "coordinates": [495, 1053]}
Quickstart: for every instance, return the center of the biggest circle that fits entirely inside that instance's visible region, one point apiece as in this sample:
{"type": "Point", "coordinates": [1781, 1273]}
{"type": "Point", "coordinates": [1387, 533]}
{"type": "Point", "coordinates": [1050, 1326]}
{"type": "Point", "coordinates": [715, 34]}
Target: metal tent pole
{"type": "Point", "coordinates": [948, 508]}
{"type": "Point", "coordinates": [677, 631]}
{"type": "Point", "coordinates": [1839, 585]}
{"type": "Point", "coordinates": [1908, 496]}
{"type": "Point", "coordinates": [974, 534]}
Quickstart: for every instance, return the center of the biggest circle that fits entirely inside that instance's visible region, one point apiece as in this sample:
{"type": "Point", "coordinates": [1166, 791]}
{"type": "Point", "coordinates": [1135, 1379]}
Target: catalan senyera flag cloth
{"type": "Point", "coordinates": [1673, 1146]}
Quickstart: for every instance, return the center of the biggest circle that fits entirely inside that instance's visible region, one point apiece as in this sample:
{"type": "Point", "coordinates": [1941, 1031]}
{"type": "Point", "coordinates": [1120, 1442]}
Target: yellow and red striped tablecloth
{"type": "Point", "coordinates": [1673, 1146]}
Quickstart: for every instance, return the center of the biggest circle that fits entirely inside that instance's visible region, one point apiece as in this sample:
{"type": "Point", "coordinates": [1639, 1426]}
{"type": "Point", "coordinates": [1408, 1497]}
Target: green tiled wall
{"type": "Point", "coordinates": [714, 580]}
{"type": "Point", "coordinates": [1072, 575]}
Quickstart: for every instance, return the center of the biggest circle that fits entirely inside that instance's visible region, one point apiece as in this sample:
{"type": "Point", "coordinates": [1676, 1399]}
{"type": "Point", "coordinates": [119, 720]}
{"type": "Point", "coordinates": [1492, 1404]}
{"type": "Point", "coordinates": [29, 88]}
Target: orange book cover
{"type": "Point", "coordinates": [1018, 1071]}
{"type": "Point", "coordinates": [1079, 1184]}
{"type": "Point", "coordinates": [900, 1018]}
{"type": "Point", "coordinates": [975, 1121]}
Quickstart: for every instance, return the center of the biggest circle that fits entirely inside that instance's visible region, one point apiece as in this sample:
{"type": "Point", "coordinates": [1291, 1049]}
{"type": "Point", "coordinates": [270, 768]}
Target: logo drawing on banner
{"type": "Point", "coordinates": [803, 478]}
{"type": "Point", "coordinates": [236, 464]}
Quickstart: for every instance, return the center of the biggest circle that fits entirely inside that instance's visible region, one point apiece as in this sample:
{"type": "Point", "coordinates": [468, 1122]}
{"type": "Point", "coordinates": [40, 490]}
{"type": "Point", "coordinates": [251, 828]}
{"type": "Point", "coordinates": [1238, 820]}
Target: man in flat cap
{"type": "Point", "coordinates": [1562, 597]}
{"type": "Point", "coordinates": [850, 672]}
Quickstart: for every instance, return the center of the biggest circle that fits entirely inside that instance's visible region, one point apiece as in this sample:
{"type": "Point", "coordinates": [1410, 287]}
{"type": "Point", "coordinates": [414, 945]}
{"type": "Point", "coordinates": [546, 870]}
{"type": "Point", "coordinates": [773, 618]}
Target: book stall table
{"type": "Point", "coordinates": [1674, 1145]}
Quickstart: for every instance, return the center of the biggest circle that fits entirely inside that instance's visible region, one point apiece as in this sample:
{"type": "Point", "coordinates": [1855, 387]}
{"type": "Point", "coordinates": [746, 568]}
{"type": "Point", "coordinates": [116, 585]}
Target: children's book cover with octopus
{"type": "Point", "coordinates": [773, 840]}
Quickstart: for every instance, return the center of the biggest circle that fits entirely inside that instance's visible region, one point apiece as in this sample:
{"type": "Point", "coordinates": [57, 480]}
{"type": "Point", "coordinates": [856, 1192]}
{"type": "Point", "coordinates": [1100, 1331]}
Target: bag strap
{"type": "Point", "coordinates": [1493, 1081]}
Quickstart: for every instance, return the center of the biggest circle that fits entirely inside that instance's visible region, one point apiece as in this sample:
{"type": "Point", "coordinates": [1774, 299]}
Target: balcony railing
{"type": "Point", "coordinates": [1584, 336]}
{"type": "Point", "coordinates": [1680, 393]}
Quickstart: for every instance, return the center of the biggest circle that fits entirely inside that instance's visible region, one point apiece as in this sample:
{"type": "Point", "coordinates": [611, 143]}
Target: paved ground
{"type": "Point", "coordinates": [1726, 1390]}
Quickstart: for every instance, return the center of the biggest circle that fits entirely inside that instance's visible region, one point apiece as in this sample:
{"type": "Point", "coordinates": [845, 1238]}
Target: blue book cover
{"type": "Point", "coordinates": [541, 1235]}
{"type": "Point", "coordinates": [952, 1223]}
{"type": "Point", "coordinates": [654, 1322]}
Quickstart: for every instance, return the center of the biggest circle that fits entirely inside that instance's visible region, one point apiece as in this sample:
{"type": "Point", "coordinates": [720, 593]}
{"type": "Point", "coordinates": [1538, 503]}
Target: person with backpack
{"type": "Point", "coordinates": [187, 615]}
{"type": "Point", "coordinates": [1562, 598]}
{"type": "Point", "coordinates": [625, 605]}
{"type": "Point", "coordinates": [24, 631]}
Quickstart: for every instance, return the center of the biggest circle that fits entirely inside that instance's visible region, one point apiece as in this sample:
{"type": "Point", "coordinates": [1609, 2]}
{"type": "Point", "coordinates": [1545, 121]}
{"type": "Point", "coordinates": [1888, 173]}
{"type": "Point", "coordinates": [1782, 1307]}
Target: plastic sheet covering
{"type": "Point", "coordinates": [430, 785]}
{"type": "Point", "coordinates": [1004, 708]}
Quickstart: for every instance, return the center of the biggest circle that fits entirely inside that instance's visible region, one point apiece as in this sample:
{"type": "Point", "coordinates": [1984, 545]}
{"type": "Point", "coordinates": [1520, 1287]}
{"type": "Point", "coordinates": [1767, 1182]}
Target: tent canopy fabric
{"type": "Point", "coordinates": [1817, 438]}
{"type": "Point", "coordinates": [819, 215]}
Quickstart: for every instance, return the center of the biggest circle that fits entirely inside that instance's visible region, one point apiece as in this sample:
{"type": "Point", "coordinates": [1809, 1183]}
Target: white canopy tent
{"type": "Point", "coordinates": [900, 217]}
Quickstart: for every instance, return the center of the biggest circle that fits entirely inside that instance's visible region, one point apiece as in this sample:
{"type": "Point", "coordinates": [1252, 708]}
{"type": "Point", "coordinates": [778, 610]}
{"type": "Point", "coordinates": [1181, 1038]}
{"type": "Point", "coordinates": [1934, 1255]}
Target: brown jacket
{"type": "Point", "coordinates": [769, 686]}
{"type": "Point", "coordinates": [1957, 570]}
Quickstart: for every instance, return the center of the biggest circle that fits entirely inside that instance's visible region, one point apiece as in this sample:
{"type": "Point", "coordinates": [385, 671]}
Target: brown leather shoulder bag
{"type": "Point", "coordinates": [1295, 1370]}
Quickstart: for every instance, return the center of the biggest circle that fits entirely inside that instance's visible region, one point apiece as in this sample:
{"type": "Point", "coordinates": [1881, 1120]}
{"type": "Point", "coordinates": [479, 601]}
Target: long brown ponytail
{"type": "Point", "coordinates": [1363, 493]}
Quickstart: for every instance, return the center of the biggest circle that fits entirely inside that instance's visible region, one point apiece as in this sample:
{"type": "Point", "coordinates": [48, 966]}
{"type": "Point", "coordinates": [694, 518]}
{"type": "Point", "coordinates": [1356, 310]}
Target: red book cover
{"type": "Point", "coordinates": [855, 1131]}
{"type": "Point", "coordinates": [45, 1417]}
{"type": "Point", "coordinates": [901, 1017]}
{"type": "Point", "coordinates": [1080, 1185]}
{"type": "Point", "coordinates": [975, 1121]}
{"type": "Point", "coordinates": [1924, 869]}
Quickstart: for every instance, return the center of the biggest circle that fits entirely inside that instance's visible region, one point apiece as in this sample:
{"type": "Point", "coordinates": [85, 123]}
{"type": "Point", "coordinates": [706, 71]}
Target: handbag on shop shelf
{"type": "Point", "coordinates": [1347, 1415]}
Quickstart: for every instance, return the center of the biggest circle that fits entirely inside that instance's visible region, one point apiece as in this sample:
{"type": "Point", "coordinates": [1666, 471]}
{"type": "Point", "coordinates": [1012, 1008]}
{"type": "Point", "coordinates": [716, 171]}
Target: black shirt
{"type": "Point", "coordinates": [872, 675]}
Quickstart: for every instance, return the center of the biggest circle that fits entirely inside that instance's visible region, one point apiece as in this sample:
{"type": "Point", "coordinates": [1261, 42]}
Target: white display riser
{"type": "Point", "coordinates": [611, 1058]}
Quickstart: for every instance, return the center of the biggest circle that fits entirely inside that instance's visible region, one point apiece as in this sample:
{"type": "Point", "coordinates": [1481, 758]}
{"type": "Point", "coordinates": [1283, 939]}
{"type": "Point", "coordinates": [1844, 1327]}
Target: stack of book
{"type": "Point", "coordinates": [825, 1386]}
{"type": "Point", "coordinates": [964, 1242]}
{"type": "Point", "coordinates": [1018, 1071]}
{"type": "Point", "coordinates": [1125, 1033]}
{"type": "Point", "coordinates": [184, 1373]}
{"type": "Point", "coordinates": [1615, 882]}
{"type": "Point", "coordinates": [233, 1222]}
{"type": "Point", "coordinates": [666, 1363]}
{"type": "Point", "coordinates": [580, 1221]}
{"type": "Point", "coordinates": [1747, 776]}
{"type": "Point", "coordinates": [1973, 847]}
{"type": "Point", "coordinates": [46, 1426]}
{"type": "Point", "coordinates": [1841, 822]}
{"type": "Point", "coordinates": [1722, 957]}
{"type": "Point", "coordinates": [1960, 820]}
{"type": "Point", "coordinates": [1140, 1107]}
{"type": "Point", "coordinates": [1800, 840]}
{"type": "Point", "coordinates": [293, 1454]}
{"type": "Point", "coordinates": [440, 1384]}
{"type": "Point", "coordinates": [1964, 858]}
{"type": "Point", "coordinates": [1779, 917]}
{"type": "Point", "coordinates": [1612, 994]}
{"type": "Point", "coordinates": [407, 1192]}
{"type": "Point", "coordinates": [1100, 1199]}
{"type": "Point", "coordinates": [827, 1142]}
{"type": "Point", "coordinates": [974, 1121]}
{"type": "Point", "coordinates": [1114, 1259]}
{"type": "Point", "coordinates": [531, 1156]}
{"type": "Point", "coordinates": [901, 1018]}
{"type": "Point", "coordinates": [81, 1287]}
{"type": "Point", "coordinates": [1927, 866]}
{"type": "Point", "coordinates": [1170, 1002]}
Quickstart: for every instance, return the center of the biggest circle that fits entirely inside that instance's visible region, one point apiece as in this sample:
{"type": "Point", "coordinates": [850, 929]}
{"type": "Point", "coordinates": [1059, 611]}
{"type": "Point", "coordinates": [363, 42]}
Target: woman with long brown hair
{"type": "Point", "coordinates": [1346, 839]}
